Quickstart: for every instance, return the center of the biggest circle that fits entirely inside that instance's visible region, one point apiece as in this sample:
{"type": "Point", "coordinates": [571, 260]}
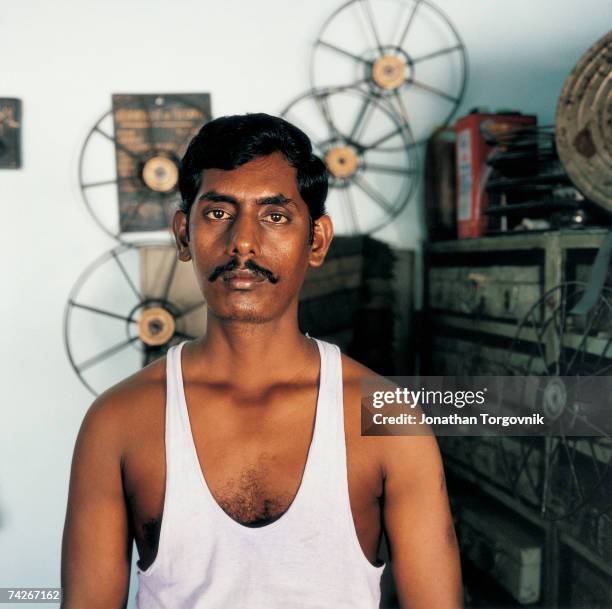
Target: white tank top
{"type": "Point", "coordinates": [309, 558]}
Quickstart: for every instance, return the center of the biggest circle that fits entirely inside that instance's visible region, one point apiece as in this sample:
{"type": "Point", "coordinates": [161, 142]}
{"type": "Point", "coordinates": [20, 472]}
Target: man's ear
{"type": "Point", "coordinates": [181, 235]}
{"type": "Point", "coordinates": [323, 234]}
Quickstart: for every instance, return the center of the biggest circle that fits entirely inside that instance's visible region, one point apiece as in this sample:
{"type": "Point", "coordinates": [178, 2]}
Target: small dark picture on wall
{"type": "Point", "coordinates": [10, 133]}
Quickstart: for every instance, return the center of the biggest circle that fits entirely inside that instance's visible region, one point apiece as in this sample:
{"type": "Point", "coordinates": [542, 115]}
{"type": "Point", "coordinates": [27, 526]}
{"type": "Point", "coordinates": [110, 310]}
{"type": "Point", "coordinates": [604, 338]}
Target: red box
{"type": "Point", "coordinates": [472, 171]}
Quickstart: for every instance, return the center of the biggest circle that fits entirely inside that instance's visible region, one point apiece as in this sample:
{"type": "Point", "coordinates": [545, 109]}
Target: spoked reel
{"type": "Point", "coordinates": [129, 181]}
{"type": "Point", "coordinates": [584, 123]}
{"type": "Point", "coordinates": [370, 154]}
{"type": "Point", "coordinates": [567, 360]}
{"type": "Point", "coordinates": [126, 309]}
{"type": "Point", "coordinates": [406, 51]}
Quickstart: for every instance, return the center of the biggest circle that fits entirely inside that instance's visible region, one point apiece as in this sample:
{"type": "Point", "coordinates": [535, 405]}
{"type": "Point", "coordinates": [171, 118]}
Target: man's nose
{"type": "Point", "coordinates": [243, 239]}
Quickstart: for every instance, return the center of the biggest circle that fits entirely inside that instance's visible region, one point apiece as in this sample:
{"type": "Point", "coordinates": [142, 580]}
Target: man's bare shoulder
{"type": "Point", "coordinates": [413, 450]}
{"type": "Point", "coordinates": [352, 369]}
{"type": "Point", "coordinates": [353, 376]}
{"type": "Point", "coordinates": [142, 388]}
{"type": "Point", "coordinates": [128, 406]}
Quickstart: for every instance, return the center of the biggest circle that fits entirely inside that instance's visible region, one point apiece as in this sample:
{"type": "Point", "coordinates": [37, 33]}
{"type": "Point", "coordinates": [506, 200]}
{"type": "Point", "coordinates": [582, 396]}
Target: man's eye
{"type": "Point", "coordinates": [217, 214]}
{"type": "Point", "coordinates": [276, 218]}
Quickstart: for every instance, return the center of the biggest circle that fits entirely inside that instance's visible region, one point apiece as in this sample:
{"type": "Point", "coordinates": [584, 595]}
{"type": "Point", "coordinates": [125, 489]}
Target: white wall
{"type": "Point", "coordinates": [64, 59]}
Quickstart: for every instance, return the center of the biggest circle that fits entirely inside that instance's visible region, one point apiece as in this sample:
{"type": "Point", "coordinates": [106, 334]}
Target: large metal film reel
{"type": "Point", "coordinates": [563, 473]}
{"type": "Point", "coordinates": [584, 123]}
{"type": "Point", "coordinates": [407, 51]}
{"type": "Point", "coordinates": [126, 309]}
{"type": "Point", "coordinates": [370, 154]}
{"type": "Point", "coordinates": [148, 170]}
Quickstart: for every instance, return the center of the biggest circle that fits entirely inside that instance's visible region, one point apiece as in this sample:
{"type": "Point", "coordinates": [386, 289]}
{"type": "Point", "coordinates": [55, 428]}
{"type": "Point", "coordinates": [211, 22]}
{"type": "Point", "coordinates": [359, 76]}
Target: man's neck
{"type": "Point", "coordinates": [254, 354]}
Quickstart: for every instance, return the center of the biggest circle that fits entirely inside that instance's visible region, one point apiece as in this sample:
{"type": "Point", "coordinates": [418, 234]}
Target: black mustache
{"type": "Point", "coordinates": [233, 264]}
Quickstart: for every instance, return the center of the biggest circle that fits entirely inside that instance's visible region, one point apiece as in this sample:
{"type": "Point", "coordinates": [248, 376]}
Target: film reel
{"type": "Point", "coordinates": [370, 154]}
{"type": "Point", "coordinates": [584, 123]}
{"type": "Point", "coordinates": [563, 473]}
{"type": "Point", "coordinates": [406, 51]}
{"type": "Point", "coordinates": [126, 309]}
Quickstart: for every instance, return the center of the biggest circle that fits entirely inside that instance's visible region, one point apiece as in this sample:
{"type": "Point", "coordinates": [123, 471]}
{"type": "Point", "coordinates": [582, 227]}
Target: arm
{"type": "Point", "coordinates": [418, 525]}
{"type": "Point", "coordinates": [97, 544]}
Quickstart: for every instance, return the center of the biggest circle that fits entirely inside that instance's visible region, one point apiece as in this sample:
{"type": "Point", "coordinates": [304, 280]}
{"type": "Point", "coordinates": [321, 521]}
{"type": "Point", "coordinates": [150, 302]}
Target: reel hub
{"type": "Point", "coordinates": [554, 398]}
{"type": "Point", "coordinates": [342, 161]}
{"type": "Point", "coordinates": [160, 174]}
{"type": "Point", "coordinates": [389, 72]}
{"type": "Point", "coordinates": [156, 326]}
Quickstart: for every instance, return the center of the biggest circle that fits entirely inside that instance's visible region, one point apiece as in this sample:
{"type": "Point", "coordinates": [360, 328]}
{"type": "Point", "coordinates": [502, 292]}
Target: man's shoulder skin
{"type": "Point", "coordinates": [367, 447]}
{"type": "Point", "coordinates": [134, 391]}
{"type": "Point", "coordinates": [97, 531]}
{"type": "Point", "coordinates": [414, 452]}
{"type": "Point", "coordinates": [125, 410]}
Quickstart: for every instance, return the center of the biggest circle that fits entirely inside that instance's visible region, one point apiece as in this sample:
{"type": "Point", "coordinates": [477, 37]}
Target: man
{"type": "Point", "coordinates": [237, 463]}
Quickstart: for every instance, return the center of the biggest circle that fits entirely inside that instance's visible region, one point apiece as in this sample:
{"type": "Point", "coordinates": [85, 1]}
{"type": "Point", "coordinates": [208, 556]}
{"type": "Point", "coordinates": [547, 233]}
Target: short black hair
{"type": "Point", "coordinates": [230, 141]}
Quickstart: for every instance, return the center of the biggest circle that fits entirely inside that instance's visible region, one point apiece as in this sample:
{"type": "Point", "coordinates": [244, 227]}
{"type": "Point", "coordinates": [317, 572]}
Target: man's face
{"type": "Point", "coordinates": [248, 239]}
